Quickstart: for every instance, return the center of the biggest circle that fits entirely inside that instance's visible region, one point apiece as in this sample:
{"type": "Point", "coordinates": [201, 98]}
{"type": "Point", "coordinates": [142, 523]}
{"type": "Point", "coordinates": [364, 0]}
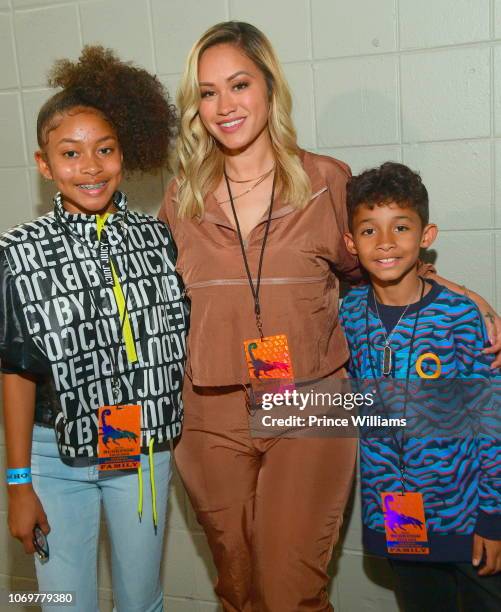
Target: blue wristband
{"type": "Point", "coordinates": [18, 476]}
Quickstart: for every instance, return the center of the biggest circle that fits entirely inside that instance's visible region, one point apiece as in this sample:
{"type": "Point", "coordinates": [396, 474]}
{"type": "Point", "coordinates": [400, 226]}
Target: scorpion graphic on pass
{"type": "Point", "coordinates": [113, 433]}
{"type": "Point", "coordinates": [264, 366]}
{"type": "Point", "coordinates": [395, 520]}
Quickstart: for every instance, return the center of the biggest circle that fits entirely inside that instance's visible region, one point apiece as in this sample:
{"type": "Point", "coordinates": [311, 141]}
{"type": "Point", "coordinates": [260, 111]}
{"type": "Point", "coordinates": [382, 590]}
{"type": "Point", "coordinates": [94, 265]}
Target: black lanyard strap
{"type": "Point", "coordinates": [400, 445]}
{"type": "Point", "coordinates": [254, 289]}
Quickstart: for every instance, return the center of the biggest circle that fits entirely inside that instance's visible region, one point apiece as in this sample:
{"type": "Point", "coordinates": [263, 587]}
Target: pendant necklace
{"type": "Point", "coordinates": [258, 182]}
{"type": "Point", "coordinates": [256, 178]}
{"type": "Point", "coordinates": [387, 350]}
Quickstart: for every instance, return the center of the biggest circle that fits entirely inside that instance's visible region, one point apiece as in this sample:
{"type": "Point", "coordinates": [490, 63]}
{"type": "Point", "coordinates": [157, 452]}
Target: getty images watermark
{"type": "Point", "coordinates": [377, 408]}
{"type": "Point", "coordinates": [306, 401]}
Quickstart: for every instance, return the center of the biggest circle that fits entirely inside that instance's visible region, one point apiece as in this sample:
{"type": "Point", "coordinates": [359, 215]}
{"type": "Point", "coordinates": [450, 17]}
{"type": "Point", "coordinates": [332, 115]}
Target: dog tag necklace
{"type": "Point", "coordinates": [387, 350]}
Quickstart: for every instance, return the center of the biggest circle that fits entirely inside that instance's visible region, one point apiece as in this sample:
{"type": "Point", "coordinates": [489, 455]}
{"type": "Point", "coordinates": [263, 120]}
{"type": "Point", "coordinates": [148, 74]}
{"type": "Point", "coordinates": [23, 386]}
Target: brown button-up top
{"type": "Point", "coordinates": [305, 253]}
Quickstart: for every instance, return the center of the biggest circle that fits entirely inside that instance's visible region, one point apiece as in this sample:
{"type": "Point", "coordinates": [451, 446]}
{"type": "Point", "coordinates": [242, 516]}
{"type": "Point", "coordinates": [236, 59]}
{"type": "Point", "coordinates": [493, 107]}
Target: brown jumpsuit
{"type": "Point", "coordinates": [271, 507]}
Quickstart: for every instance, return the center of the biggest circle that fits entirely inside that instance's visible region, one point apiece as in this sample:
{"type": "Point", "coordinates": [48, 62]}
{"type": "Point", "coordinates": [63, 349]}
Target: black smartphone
{"type": "Point", "coordinates": [40, 543]}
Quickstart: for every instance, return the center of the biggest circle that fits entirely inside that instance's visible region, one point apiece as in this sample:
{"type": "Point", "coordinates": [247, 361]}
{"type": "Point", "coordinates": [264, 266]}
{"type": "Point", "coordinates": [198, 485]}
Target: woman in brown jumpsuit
{"type": "Point", "coordinates": [271, 507]}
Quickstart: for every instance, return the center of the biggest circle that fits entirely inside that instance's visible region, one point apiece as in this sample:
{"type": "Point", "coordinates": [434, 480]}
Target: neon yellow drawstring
{"type": "Point", "coordinates": [152, 485]}
{"type": "Point", "coordinates": [140, 492]}
{"type": "Point", "coordinates": [130, 346]}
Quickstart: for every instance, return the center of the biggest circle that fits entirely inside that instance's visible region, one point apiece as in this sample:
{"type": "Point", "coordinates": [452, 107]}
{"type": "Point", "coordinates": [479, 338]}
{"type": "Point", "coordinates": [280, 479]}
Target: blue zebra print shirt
{"type": "Point", "coordinates": [459, 478]}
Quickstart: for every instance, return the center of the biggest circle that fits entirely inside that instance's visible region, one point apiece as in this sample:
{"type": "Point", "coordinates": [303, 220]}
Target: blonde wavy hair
{"type": "Point", "coordinates": [200, 159]}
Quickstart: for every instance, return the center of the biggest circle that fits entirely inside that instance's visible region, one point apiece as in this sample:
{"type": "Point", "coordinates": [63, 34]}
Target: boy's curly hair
{"type": "Point", "coordinates": [130, 98]}
{"type": "Point", "coordinates": [391, 182]}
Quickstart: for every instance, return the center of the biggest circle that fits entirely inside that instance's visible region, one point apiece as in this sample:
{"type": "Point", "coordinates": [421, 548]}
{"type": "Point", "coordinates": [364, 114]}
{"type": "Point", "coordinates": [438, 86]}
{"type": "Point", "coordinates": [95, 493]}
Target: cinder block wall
{"type": "Point", "coordinates": [373, 80]}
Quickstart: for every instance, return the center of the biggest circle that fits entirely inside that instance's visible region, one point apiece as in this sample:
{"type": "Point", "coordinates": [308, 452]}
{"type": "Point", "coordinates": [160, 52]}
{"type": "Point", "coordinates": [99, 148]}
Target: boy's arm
{"type": "Point", "coordinates": [470, 339]}
{"type": "Point", "coordinates": [24, 508]}
{"type": "Point", "coordinates": [487, 536]}
{"type": "Point", "coordinates": [489, 551]}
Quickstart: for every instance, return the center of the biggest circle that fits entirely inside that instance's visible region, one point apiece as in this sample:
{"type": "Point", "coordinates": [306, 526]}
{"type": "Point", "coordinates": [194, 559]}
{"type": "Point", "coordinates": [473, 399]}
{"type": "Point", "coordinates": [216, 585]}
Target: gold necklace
{"type": "Point", "coordinates": [252, 179]}
{"type": "Point", "coordinates": [258, 182]}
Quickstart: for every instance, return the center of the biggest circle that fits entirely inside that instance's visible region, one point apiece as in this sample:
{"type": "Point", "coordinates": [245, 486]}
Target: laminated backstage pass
{"type": "Point", "coordinates": [404, 523]}
{"type": "Point", "coordinates": [119, 445]}
{"type": "Point", "coordinates": [269, 364]}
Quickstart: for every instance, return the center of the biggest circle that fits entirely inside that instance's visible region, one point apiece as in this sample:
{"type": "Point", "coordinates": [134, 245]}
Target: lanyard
{"type": "Point", "coordinates": [113, 350]}
{"type": "Point", "coordinates": [254, 289]}
{"type": "Point", "coordinates": [399, 445]}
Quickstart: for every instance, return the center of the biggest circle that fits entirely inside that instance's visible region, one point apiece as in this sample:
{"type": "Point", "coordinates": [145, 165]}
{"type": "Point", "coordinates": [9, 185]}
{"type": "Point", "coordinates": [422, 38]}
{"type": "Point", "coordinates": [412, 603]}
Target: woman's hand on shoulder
{"type": "Point", "coordinates": [491, 319]}
{"type": "Point", "coordinates": [493, 324]}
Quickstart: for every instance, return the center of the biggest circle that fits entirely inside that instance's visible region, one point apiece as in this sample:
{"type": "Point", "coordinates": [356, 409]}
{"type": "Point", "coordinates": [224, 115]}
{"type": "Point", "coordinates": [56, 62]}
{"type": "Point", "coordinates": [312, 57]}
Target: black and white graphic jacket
{"type": "Point", "coordinates": [58, 318]}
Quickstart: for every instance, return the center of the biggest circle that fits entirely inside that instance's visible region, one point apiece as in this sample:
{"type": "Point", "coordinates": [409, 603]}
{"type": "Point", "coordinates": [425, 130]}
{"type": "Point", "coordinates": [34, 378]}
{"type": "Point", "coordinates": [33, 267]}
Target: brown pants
{"type": "Point", "coordinates": [271, 507]}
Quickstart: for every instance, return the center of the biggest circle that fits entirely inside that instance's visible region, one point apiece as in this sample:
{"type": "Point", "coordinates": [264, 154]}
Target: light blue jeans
{"type": "Point", "coordinates": [71, 497]}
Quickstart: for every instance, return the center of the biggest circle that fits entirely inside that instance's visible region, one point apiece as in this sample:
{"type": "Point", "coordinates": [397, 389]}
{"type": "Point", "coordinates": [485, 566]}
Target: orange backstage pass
{"type": "Point", "coordinates": [405, 523]}
{"type": "Point", "coordinates": [119, 444]}
{"type": "Point", "coordinates": [269, 364]}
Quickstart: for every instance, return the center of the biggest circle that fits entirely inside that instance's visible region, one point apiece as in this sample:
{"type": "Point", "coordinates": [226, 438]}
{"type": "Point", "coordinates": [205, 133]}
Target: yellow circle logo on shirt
{"type": "Point", "coordinates": [432, 357]}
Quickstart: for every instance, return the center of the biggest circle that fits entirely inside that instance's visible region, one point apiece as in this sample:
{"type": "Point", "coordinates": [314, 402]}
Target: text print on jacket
{"type": "Point", "coordinates": [57, 316]}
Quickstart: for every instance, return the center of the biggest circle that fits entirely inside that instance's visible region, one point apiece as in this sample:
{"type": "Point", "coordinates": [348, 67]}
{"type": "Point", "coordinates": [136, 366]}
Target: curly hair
{"type": "Point", "coordinates": [391, 182]}
{"type": "Point", "coordinates": [200, 159]}
{"type": "Point", "coordinates": [132, 100]}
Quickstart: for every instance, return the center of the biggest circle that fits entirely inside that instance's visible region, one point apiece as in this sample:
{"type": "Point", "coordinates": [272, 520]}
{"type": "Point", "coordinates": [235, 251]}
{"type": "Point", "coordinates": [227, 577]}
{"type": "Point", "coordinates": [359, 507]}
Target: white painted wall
{"type": "Point", "coordinates": [373, 80]}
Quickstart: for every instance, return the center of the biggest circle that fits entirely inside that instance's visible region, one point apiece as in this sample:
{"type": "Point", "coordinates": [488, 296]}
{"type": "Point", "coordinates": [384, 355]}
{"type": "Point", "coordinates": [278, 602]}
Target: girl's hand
{"type": "Point", "coordinates": [490, 551]}
{"type": "Point", "coordinates": [25, 511]}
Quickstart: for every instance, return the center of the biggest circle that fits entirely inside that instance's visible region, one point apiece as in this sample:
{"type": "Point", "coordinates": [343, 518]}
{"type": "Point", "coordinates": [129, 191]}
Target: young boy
{"type": "Point", "coordinates": [401, 326]}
